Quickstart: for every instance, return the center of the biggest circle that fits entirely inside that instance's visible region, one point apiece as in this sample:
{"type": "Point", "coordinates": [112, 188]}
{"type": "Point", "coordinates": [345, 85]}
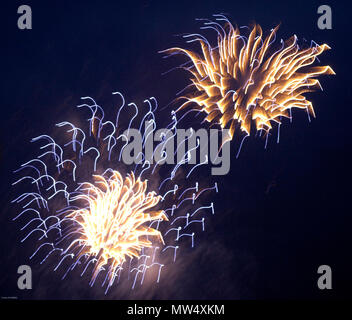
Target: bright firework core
{"type": "Point", "coordinates": [113, 225]}
{"type": "Point", "coordinates": [240, 80]}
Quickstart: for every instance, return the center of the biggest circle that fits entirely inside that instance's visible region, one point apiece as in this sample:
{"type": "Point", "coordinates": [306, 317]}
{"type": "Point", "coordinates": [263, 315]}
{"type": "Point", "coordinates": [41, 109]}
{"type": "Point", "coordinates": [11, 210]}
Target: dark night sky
{"type": "Point", "coordinates": [263, 242]}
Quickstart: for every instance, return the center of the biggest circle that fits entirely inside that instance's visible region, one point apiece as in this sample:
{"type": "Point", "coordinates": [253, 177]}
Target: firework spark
{"type": "Point", "coordinates": [242, 80]}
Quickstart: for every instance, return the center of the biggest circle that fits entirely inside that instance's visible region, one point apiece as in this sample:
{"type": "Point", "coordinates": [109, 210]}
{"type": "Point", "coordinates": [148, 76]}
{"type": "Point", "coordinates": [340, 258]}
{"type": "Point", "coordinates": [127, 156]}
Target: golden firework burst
{"type": "Point", "coordinates": [113, 224]}
{"type": "Point", "coordinates": [241, 80]}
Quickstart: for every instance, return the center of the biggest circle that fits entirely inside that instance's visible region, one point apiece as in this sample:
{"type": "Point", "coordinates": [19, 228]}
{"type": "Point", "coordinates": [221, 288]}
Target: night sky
{"type": "Point", "coordinates": [282, 211]}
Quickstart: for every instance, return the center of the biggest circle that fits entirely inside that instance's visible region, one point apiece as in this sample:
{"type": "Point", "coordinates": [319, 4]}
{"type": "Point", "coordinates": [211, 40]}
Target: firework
{"type": "Point", "coordinates": [242, 80]}
{"type": "Point", "coordinates": [89, 209]}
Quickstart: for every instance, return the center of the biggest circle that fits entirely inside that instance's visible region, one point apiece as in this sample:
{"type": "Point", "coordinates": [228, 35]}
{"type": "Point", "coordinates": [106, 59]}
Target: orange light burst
{"type": "Point", "coordinates": [241, 80]}
{"type": "Point", "coordinates": [112, 226]}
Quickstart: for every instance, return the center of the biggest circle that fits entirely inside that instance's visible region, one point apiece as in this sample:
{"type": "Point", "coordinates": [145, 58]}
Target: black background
{"type": "Point", "coordinates": [282, 211]}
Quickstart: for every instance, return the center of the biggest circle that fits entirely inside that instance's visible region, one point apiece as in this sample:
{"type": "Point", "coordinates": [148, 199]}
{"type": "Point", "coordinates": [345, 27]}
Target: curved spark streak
{"type": "Point", "coordinates": [241, 81]}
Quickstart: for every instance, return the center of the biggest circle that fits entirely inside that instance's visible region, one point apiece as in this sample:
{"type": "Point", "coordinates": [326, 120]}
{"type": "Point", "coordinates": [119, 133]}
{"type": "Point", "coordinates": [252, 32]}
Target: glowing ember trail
{"type": "Point", "coordinates": [243, 80]}
{"type": "Point", "coordinates": [113, 224]}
